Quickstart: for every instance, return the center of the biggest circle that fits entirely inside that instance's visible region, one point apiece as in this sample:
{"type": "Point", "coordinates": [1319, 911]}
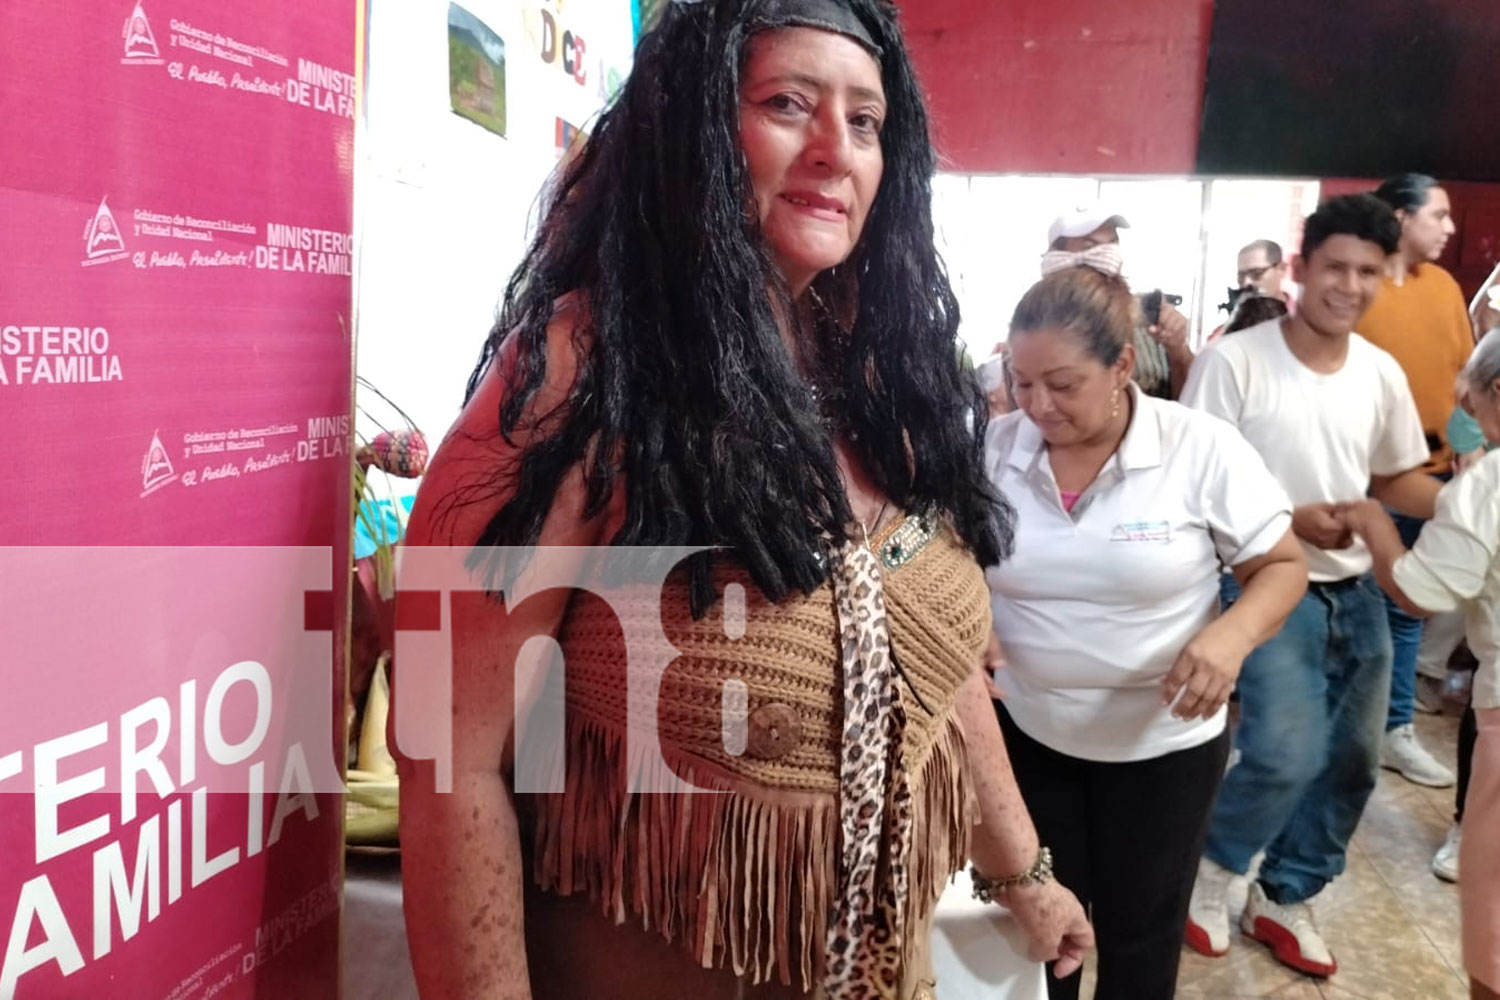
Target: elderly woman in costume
{"type": "Point", "coordinates": [731, 331]}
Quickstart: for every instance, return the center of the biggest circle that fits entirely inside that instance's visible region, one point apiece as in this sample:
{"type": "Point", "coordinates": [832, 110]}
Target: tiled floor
{"type": "Point", "coordinates": [1391, 924]}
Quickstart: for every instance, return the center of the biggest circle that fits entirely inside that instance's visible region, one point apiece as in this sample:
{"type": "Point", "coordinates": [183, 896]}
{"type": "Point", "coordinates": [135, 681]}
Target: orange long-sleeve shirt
{"type": "Point", "coordinates": [1424, 323]}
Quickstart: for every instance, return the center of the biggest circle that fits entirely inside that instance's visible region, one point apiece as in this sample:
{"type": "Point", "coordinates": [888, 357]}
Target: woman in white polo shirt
{"type": "Point", "coordinates": [1118, 663]}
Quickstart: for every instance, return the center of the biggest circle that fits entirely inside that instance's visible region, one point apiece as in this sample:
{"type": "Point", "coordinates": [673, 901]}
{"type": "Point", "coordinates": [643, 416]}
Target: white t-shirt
{"type": "Point", "coordinates": [1095, 606]}
{"type": "Point", "coordinates": [1456, 562]}
{"type": "Point", "coordinates": [1322, 436]}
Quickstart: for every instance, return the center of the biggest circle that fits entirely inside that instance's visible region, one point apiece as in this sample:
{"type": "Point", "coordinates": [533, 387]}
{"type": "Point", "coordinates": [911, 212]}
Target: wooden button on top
{"type": "Point", "coordinates": [774, 730]}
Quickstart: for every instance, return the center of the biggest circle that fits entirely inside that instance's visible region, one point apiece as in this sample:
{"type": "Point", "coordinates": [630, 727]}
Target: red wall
{"type": "Point", "coordinates": [1063, 86]}
{"type": "Point", "coordinates": [1101, 87]}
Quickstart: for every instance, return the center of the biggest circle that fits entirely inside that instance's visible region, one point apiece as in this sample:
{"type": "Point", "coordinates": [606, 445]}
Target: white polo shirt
{"type": "Point", "coordinates": [1095, 606]}
{"type": "Point", "coordinates": [1456, 563]}
{"type": "Point", "coordinates": [1321, 434]}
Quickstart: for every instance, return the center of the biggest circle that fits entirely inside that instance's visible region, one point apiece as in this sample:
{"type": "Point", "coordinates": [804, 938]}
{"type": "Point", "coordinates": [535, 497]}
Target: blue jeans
{"type": "Point", "coordinates": [1312, 713]}
{"type": "Point", "coordinates": [1406, 640]}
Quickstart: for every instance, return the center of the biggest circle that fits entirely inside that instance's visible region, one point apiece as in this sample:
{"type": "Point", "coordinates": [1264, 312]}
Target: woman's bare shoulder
{"type": "Point", "coordinates": [465, 482]}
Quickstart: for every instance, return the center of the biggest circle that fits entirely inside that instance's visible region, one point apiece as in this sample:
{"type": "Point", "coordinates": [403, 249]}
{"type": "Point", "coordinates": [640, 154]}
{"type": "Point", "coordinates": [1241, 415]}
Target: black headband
{"type": "Point", "coordinates": [826, 15]}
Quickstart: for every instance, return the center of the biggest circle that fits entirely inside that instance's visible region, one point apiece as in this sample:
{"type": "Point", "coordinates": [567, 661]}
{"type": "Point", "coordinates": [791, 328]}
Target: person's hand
{"type": "Point", "coordinates": [1055, 925]}
{"type": "Point", "coordinates": [992, 662]}
{"type": "Point", "coordinates": [1170, 329]}
{"type": "Point", "coordinates": [1361, 516]}
{"type": "Point", "coordinates": [1206, 669]}
{"type": "Point", "coordinates": [1487, 317]}
{"type": "Point", "coordinates": [1321, 524]}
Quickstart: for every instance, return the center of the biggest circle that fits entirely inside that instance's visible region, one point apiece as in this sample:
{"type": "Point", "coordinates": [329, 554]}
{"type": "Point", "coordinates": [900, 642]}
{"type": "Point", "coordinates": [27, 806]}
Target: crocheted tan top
{"type": "Point", "coordinates": [745, 879]}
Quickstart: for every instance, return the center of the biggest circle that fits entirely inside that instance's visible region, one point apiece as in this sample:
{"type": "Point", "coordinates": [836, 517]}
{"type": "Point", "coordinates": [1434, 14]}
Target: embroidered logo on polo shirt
{"type": "Point", "coordinates": [1142, 531]}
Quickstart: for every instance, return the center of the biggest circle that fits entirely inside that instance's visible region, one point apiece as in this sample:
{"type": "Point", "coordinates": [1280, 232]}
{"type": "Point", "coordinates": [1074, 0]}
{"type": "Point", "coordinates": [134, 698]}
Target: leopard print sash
{"type": "Point", "coordinates": [865, 935]}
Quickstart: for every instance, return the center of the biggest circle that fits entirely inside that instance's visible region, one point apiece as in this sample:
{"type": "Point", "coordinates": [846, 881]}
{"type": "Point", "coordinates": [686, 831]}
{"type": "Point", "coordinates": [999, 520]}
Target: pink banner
{"type": "Point", "coordinates": [175, 368]}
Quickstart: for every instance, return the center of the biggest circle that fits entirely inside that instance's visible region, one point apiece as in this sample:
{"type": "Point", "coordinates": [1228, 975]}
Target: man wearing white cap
{"type": "Point", "coordinates": [1089, 236]}
{"type": "Point", "coordinates": [1085, 226]}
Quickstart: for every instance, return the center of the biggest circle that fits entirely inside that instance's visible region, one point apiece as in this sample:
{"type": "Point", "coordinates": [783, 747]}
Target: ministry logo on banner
{"type": "Point", "coordinates": [140, 43]}
{"type": "Point", "coordinates": [156, 467]}
{"type": "Point", "coordinates": [102, 241]}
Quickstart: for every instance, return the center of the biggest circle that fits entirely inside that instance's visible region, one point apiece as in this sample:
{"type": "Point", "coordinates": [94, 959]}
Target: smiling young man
{"type": "Point", "coordinates": [1333, 418]}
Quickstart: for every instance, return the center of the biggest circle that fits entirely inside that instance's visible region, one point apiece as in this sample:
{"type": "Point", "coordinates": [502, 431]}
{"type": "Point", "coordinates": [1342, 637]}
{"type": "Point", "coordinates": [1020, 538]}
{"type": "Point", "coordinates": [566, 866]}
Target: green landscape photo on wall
{"type": "Point", "coordinates": [476, 70]}
{"type": "Point", "coordinates": [644, 14]}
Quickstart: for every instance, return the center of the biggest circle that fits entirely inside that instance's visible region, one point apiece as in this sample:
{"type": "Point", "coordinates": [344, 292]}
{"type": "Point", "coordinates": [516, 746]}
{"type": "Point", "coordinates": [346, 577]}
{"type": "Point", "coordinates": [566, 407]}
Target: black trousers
{"type": "Point", "coordinates": [1126, 839]}
{"type": "Point", "coordinates": [1468, 735]}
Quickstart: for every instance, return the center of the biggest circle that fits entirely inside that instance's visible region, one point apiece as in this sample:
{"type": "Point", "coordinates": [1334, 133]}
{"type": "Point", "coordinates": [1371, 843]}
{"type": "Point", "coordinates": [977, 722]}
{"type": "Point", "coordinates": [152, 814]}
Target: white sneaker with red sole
{"type": "Point", "coordinates": [1290, 932]}
{"type": "Point", "coordinates": [1208, 912]}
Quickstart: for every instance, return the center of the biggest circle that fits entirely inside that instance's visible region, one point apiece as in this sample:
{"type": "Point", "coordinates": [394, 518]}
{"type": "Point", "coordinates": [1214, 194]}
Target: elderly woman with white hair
{"type": "Point", "coordinates": [1455, 563]}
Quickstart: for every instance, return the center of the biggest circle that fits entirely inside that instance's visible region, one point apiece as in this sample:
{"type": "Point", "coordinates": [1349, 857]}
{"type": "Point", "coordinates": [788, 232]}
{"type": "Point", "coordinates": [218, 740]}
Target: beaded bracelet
{"type": "Point", "coordinates": [989, 890]}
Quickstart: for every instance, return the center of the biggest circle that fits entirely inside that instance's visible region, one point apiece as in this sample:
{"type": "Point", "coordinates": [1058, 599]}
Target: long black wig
{"type": "Point", "coordinates": [686, 396]}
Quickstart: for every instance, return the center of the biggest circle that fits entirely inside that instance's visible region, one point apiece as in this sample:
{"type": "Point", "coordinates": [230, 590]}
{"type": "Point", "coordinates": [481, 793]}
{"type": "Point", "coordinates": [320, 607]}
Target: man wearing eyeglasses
{"type": "Point", "coordinates": [1262, 267]}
